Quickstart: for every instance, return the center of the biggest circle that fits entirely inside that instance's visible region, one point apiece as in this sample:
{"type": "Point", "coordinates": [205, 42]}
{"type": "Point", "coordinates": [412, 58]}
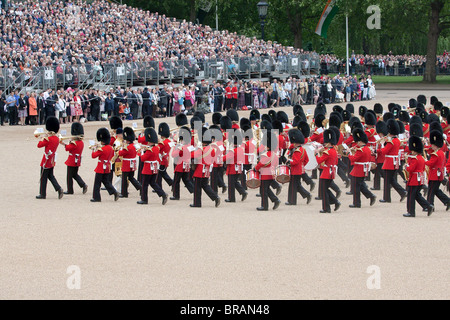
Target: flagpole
{"type": "Point", "coordinates": [346, 36]}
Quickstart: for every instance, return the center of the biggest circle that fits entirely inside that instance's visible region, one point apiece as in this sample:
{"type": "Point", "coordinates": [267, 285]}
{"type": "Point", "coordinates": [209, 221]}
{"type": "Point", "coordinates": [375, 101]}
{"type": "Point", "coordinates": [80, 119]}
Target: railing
{"type": "Point", "coordinates": [386, 70]}
{"type": "Point", "coordinates": [160, 72]}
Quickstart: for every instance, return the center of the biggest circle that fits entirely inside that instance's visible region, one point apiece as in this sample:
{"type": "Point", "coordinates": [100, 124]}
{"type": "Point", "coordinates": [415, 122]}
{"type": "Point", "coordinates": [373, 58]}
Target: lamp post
{"type": "Point", "coordinates": [262, 11]}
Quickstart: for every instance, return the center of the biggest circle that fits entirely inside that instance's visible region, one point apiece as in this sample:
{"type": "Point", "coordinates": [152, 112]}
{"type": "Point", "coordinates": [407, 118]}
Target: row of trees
{"type": "Point", "coordinates": [407, 26]}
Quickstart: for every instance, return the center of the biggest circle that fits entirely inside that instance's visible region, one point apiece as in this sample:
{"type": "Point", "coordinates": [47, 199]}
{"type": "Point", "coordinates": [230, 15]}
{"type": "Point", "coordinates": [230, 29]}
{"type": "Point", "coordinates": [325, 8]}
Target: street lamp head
{"type": "Point", "coordinates": [262, 9]}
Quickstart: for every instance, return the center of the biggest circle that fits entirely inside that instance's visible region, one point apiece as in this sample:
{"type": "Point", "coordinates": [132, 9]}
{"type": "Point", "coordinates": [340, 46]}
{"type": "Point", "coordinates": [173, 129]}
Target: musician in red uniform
{"type": "Point", "coordinates": [234, 160]}
{"type": "Point", "coordinates": [303, 126]}
{"type": "Point", "coordinates": [129, 162]}
{"type": "Point", "coordinates": [317, 135]}
{"type": "Point", "coordinates": [149, 122]}
{"type": "Point", "coordinates": [150, 158]}
{"type": "Point", "coordinates": [116, 125]}
{"type": "Point", "coordinates": [234, 96]}
{"type": "Point", "coordinates": [249, 146]}
{"type": "Point", "coordinates": [382, 131]}
{"type": "Point", "coordinates": [50, 144]}
{"type": "Point", "coordinates": [436, 164]}
{"type": "Point", "coordinates": [182, 162]}
{"type": "Point", "coordinates": [370, 120]}
{"type": "Point", "coordinates": [104, 154]}
{"type": "Point", "coordinates": [228, 96]}
{"type": "Point", "coordinates": [328, 161]}
{"type": "Point", "coordinates": [416, 166]}
{"type": "Point", "coordinates": [75, 148]}
{"type": "Point", "coordinates": [164, 151]}
{"type": "Point", "coordinates": [266, 166]}
{"type": "Point", "coordinates": [335, 124]}
{"type": "Point", "coordinates": [203, 159]}
{"type": "Point", "coordinates": [297, 159]}
{"type": "Point", "coordinates": [218, 165]}
{"type": "Point", "coordinates": [391, 162]}
{"type": "Point", "coordinates": [361, 162]}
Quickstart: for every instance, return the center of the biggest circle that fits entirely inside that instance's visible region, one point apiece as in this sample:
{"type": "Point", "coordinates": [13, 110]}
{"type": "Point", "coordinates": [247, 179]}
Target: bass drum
{"type": "Point", "coordinates": [253, 181]}
{"type": "Point", "coordinates": [312, 163]}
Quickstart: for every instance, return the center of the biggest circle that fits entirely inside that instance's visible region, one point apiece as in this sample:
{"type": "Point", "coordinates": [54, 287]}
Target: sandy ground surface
{"type": "Point", "coordinates": [126, 251]}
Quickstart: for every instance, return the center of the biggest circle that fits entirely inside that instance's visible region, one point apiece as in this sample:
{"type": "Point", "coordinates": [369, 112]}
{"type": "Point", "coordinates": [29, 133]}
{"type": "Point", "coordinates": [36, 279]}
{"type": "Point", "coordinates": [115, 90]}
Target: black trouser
{"type": "Point", "coordinates": [2, 115]}
{"type": "Point", "coordinates": [72, 174]}
{"type": "Point", "coordinates": [41, 114]}
{"type": "Point", "coordinates": [111, 174]}
{"type": "Point", "coordinates": [266, 193]}
{"type": "Point", "coordinates": [391, 181]}
{"type": "Point", "coordinates": [217, 179]}
{"type": "Point", "coordinates": [332, 186]}
{"type": "Point", "coordinates": [162, 173]}
{"type": "Point", "coordinates": [314, 174]}
{"type": "Point", "coordinates": [47, 174]}
{"type": "Point", "coordinates": [377, 177]}
{"type": "Point", "coordinates": [99, 179]}
{"type": "Point", "coordinates": [95, 113]}
{"type": "Point", "coordinates": [342, 170]}
{"type": "Point", "coordinates": [129, 176]}
{"type": "Point", "coordinates": [400, 170]}
{"type": "Point", "coordinates": [233, 185]}
{"type": "Point", "coordinates": [247, 167]}
{"type": "Point", "coordinates": [12, 113]}
{"type": "Point", "coordinates": [360, 186]}
{"type": "Point", "coordinates": [146, 110]}
{"type": "Point", "coordinates": [346, 162]}
{"type": "Point", "coordinates": [294, 187]}
{"type": "Point", "coordinates": [140, 166]}
{"type": "Point", "coordinates": [433, 190]}
{"type": "Point", "coordinates": [328, 197]}
{"type": "Point", "coordinates": [134, 111]}
{"type": "Point", "coordinates": [150, 179]}
{"type": "Point", "coordinates": [307, 179]}
{"type": "Point", "coordinates": [176, 183]}
{"type": "Point", "coordinates": [413, 196]}
{"type": "Point", "coordinates": [199, 185]}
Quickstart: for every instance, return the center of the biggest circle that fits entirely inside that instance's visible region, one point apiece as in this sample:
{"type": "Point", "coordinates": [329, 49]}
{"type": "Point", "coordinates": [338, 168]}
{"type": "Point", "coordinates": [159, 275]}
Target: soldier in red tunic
{"type": "Point", "coordinates": [328, 161]}
{"type": "Point", "coordinates": [129, 162]}
{"type": "Point", "coordinates": [104, 154]}
{"type": "Point", "coordinates": [391, 162]}
{"type": "Point", "coordinates": [436, 166]}
{"type": "Point", "coordinates": [149, 122]}
{"type": "Point", "coordinates": [361, 162]}
{"type": "Point", "coordinates": [249, 145]}
{"type": "Point", "coordinates": [297, 159]}
{"type": "Point", "coordinates": [382, 131]}
{"type": "Point", "coordinates": [266, 166]}
{"type": "Point", "coordinates": [50, 143]}
{"type": "Point", "coordinates": [116, 125]}
{"type": "Point", "coordinates": [234, 160]}
{"type": "Point", "coordinates": [182, 162]}
{"type": "Point", "coordinates": [150, 158]}
{"type": "Point", "coordinates": [164, 151]}
{"type": "Point", "coordinates": [203, 160]}
{"type": "Point", "coordinates": [416, 166]}
{"type": "Point", "coordinates": [75, 148]}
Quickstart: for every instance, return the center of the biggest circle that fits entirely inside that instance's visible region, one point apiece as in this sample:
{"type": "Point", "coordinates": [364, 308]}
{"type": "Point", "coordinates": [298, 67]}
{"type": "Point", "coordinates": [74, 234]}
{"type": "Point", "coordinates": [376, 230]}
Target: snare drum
{"type": "Point", "coordinates": [283, 174]}
{"type": "Point", "coordinates": [253, 181]}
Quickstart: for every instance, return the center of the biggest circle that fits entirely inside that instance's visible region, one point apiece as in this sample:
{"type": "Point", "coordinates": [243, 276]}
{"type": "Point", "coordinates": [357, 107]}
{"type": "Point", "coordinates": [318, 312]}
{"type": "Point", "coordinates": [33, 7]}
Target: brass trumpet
{"type": "Point", "coordinates": [81, 137]}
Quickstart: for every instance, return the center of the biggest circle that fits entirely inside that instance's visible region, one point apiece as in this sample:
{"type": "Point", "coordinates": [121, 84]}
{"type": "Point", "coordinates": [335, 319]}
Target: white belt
{"type": "Point", "coordinates": [395, 159]}
{"type": "Point", "coordinates": [104, 163]}
{"type": "Point", "coordinates": [77, 157]}
{"type": "Point", "coordinates": [153, 167]}
{"type": "Point", "coordinates": [333, 169]}
{"type": "Point", "coordinates": [366, 166]}
{"type": "Point", "coordinates": [421, 176]}
{"type": "Point", "coordinates": [132, 162]}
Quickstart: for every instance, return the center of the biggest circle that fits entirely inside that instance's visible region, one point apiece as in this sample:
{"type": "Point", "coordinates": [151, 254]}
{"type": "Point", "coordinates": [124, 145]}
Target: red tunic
{"type": "Point", "coordinates": [203, 160]}
{"type": "Point", "coordinates": [104, 155]}
{"type": "Point", "coordinates": [249, 151]}
{"type": "Point", "coordinates": [182, 159]}
{"type": "Point", "coordinates": [234, 92]}
{"type": "Point", "coordinates": [361, 162]}
{"type": "Point", "coordinates": [151, 161]}
{"type": "Point", "coordinates": [266, 165]}
{"type": "Point", "coordinates": [390, 151]}
{"type": "Point", "coordinates": [129, 162]}
{"type": "Point", "coordinates": [436, 165]}
{"type": "Point", "coordinates": [328, 162]}
{"type": "Point", "coordinates": [298, 161]}
{"type": "Point", "coordinates": [164, 151]}
{"type": "Point", "coordinates": [416, 167]}
{"type": "Point", "coordinates": [50, 144]}
{"type": "Point", "coordinates": [317, 137]}
{"type": "Point", "coordinates": [75, 149]}
{"type": "Point", "coordinates": [234, 159]}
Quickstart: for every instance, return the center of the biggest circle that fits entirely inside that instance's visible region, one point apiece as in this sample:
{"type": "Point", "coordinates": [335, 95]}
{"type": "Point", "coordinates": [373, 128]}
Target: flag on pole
{"type": "Point", "coordinates": [327, 16]}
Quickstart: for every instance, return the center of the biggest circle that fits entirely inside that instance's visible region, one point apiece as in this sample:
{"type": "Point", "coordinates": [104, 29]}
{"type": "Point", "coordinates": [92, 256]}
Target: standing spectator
{"type": "Point", "coordinates": [2, 107]}
{"type": "Point", "coordinates": [12, 109]}
{"type": "Point", "coordinates": [146, 103]}
{"type": "Point", "coordinates": [109, 104]}
{"type": "Point", "coordinates": [32, 103]}
{"type": "Point", "coordinates": [41, 108]}
{"type": "Point", "coordinates": [23, 112]}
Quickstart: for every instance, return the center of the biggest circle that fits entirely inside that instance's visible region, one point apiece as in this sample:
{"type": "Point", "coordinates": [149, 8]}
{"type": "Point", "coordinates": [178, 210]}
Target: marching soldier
{"type": "Point", "coordinates": [249, 151]}
{"type": "Point", "coordinates": [234, 160]}
{"type": "Point", "coordinates": [219, 149]}
{"type": "Point", "coordinates": [361, 167]}
{"type": "Point", "coordinates": [266, 166]}
{"type": "Point", "coordinates": [382, 131]}
{"type": "Point", "coordinates": [182, 162]}
{"type": "Point", "coordinates": [391, 162]}
{"type": "Point", "coordinates": [436, 166]}
{"type": "Point", "coordinates": [203, 160]}
{"type": "Point", "coordinates": [329, 162]}
{"type": "Point", "coordinates": [306, 130]}
{"type": "Point", "coordinates": [104, 153]}
{"type": "Point", "coordinates": [297, 159]}
{"type": "Point", "coordinates": [75, 148]}
{"type": "Point", "coordinates": [150, 158]}
{"type": "Point", "coordinates": [116, 125]}
{"type": "Point", "coordinates": [50, 144]}
{"type": "Point", "coordinates": [164, 150]}
{"type": "Point", "coordinates": [129, 162]}
{"type": "Point", "coordinates": [148, 122]}
{"type": "Point", "coordinates": [415, 167]}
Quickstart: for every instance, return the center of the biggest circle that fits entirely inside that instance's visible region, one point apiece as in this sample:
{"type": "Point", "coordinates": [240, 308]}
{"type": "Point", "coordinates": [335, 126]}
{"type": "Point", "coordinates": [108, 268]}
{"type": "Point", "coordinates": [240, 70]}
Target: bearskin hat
{"type": "Point", "coordinates": [104, 136]}
{"type": "Point", "coordinates": [164, 130]}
